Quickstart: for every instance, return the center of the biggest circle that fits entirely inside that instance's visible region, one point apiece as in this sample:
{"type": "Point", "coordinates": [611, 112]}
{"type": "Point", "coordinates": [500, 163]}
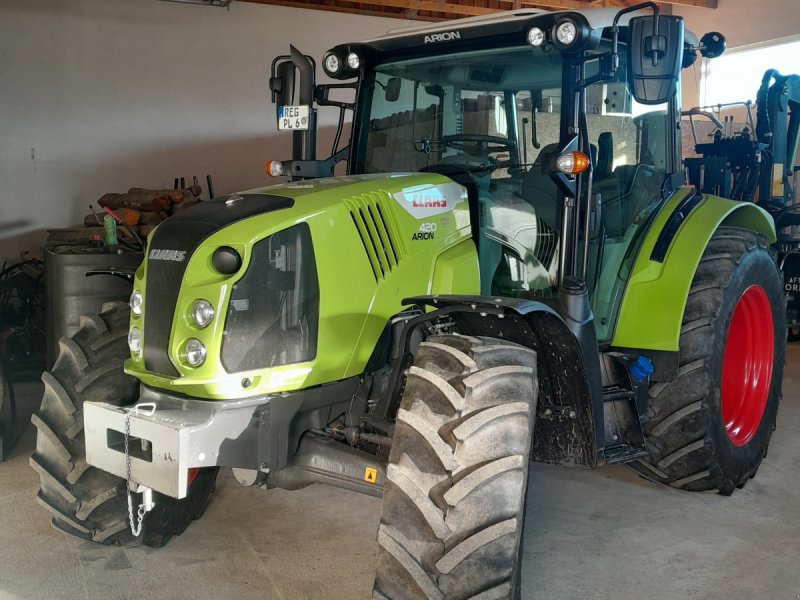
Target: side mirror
{"type": "Point", "coordinates": [282, 85]}
{"type": "Point", "coordinates": [655, 55]}
{"type": "Point", "coordinates": [392, 92]}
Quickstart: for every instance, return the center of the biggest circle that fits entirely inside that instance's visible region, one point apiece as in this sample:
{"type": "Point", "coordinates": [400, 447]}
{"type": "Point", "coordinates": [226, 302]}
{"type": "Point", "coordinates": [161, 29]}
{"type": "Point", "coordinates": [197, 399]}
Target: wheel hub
{"type": "Point", "coordinates": [747, 366]}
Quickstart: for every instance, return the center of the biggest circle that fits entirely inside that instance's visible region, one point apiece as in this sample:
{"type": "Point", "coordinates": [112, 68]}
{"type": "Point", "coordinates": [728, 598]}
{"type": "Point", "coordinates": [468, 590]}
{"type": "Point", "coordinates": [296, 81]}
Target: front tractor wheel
{"type": "Point", "coordinates": [709, 428]}
{"type": "Point", "coordinates": [454, 504]}
{"type": "Point", "coordinates": [84, 501]}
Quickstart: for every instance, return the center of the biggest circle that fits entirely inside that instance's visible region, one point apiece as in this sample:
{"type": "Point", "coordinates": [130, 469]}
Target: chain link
{"type": "Point", "coordinates": [142, 509]}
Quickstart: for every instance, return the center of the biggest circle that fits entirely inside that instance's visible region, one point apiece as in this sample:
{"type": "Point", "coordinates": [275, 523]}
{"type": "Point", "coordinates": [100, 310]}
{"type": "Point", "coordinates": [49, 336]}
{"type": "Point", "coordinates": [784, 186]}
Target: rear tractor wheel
{"type": "Point", "coordinates": [86, 502]}
{"type": "Point", "coordinates": [709, 428]}
{"type": "Point", "coordinates": [454, 504]}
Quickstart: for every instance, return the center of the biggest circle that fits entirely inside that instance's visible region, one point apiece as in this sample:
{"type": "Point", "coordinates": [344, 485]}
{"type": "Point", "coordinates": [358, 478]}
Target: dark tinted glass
{"type": "Point", "coordinates": [273, 313]}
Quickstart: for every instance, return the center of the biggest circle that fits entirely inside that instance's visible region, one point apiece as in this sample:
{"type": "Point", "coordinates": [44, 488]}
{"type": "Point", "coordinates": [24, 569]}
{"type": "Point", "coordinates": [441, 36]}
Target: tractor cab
{"type": "Point", "coordinates": [565, 138]}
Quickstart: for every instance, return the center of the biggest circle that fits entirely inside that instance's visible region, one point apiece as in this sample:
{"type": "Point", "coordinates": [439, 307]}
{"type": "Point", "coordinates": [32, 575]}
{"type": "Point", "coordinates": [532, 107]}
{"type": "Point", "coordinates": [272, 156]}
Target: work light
{"type": "Point", "coordinates": [331, 64]}
{"type": "Point", "coordinates": [566, 33]}
{"type": "Point", "coordinates": [535, 37]}
{"type": "Point", "coordinates": [353, 61]}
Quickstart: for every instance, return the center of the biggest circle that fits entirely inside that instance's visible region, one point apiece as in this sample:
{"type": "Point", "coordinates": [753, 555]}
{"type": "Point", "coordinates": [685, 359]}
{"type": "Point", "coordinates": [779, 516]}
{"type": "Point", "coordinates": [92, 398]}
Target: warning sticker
{"type": "Point", "coordinates": [370, 475]}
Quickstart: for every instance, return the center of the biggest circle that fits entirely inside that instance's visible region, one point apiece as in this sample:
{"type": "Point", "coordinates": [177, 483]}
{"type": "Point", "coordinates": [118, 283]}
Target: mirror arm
{"type": "Point", "coordinates": [314, 169]}
{"type": "Point", "coordinates": [615, 32]}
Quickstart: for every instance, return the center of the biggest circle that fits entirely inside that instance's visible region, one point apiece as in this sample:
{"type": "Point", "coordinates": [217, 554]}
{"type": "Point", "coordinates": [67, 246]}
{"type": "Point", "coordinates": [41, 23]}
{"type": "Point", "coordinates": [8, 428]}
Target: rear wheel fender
{"type": "Point", "coordinates": [661, 287]}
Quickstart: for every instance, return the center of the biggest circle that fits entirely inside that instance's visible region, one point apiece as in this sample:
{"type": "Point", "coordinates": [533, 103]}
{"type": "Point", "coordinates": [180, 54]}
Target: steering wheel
{"type": "Point", "coordinates": [477, 144]}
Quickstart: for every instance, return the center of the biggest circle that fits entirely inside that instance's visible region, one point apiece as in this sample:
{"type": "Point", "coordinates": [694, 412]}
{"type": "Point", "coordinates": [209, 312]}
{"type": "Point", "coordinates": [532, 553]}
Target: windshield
{"type": "Point", "coordinates": [489, 119]}
{"type": "Point", "coordinates": [472, 110]}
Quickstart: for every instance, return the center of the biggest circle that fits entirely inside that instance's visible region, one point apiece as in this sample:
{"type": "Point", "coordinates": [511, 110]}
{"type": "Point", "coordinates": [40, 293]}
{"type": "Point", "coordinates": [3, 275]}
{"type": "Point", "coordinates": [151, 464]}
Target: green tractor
{"type": "Point", "coordinates": [511, 269]}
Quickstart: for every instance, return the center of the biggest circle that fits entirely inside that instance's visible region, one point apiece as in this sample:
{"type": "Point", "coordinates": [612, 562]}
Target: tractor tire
{"type": "Point", "coordinates": [86, 502]}
{"type": "Point", "coordinates": [8, 415]}
{"type": "Point", "coordinates": [454, 503]}
{"type": "Point", "coordinates": [710, 426]}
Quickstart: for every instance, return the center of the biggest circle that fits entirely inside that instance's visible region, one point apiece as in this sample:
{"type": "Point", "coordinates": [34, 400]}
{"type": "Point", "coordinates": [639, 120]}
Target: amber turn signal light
{"type": "Point", "coordinates": [274, 168]}
{"type": "Point", "coordinates": [572, 163]}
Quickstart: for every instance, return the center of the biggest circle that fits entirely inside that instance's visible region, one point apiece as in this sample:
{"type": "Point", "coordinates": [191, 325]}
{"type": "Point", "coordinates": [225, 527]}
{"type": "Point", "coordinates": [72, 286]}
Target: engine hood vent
{"type": "Point", "coordinates": [374, 221]}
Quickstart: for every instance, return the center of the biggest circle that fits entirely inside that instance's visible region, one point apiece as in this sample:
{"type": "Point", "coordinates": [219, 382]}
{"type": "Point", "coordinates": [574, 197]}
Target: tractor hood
{"type": "Point", "coordinates": [171, 244]}
{"type": "Point", "coordinates": [315, 268]}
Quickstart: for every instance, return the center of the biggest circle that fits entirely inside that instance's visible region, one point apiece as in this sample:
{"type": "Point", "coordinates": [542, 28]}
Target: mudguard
{"type": "Point", "coordinates": [652, 308]}
{"type": "Point", "coordinates": [569, 409]}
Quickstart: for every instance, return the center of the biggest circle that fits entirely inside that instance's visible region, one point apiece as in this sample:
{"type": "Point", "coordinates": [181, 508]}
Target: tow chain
{"type": "Point", "coordinates": [147, 495]}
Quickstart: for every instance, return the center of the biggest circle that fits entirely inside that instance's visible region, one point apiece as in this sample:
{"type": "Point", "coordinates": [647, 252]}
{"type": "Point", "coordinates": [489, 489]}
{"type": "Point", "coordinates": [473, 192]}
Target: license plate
{"type": "Point", "coordinates": [293, 117]}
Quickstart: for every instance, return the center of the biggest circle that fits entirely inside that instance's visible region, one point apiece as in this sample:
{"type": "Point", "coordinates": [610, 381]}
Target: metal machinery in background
{"type": "Point", "coordinates": [757, 162]}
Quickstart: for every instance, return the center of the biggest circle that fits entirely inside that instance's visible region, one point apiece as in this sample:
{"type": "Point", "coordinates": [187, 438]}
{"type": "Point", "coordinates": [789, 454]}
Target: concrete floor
{"type": "Point", "coordinates": [591, 535]}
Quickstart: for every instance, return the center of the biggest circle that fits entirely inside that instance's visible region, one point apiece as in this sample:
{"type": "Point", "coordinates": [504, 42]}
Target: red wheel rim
{"type": "Point", "coordinates": [747, 366]}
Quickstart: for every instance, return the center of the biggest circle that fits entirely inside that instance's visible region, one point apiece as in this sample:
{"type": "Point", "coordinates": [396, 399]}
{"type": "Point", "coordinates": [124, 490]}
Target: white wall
{"type": "Point", "coordinates": [742, 22]}
{"type": "Point", "coordinates": [101, 95]}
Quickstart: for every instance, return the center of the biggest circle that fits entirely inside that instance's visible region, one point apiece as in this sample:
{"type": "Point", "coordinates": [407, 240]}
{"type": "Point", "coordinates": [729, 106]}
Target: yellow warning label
{"type": "Point", "coordinates": [370, 475]}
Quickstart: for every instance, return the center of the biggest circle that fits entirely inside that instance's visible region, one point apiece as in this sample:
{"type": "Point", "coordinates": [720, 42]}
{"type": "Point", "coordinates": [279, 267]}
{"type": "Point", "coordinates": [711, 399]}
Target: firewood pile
{"type": "Point", "coordinates": [136, 213]}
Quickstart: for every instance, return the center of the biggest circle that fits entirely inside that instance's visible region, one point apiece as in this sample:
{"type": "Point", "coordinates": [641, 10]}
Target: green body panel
{"type": "Point", "coordinates": [652, 308]}
{"type": "Point", "coordinates": [428, 250]}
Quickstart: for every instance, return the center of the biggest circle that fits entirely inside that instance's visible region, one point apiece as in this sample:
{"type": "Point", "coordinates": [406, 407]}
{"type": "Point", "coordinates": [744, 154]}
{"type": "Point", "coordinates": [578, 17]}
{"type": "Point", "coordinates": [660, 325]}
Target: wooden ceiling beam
{"type": "Point", "coordinates": [440, 6]}
{"type": "Point", "coordinates": [451, 9]}
{"type": "Point", "coordinates": [560, 4]}
{"type": "Point", "coordinates": [333, 8]}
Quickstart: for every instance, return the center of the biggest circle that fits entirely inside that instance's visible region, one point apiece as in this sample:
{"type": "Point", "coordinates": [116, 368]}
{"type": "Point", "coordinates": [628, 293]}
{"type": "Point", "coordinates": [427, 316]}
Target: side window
{"type": "Point", "coordinates": [629, 153]}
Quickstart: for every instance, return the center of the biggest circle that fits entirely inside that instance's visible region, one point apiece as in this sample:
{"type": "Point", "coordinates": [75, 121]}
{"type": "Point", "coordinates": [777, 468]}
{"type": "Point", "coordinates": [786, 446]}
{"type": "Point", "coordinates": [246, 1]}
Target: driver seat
{"type": "Point", "coordinates": [540, 191]}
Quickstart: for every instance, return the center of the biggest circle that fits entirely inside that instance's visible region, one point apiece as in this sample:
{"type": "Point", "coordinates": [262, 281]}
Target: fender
{"type": "Point", "coordinates": [569, 414]}
{"type": "Point", "coordinates": [652, 308]}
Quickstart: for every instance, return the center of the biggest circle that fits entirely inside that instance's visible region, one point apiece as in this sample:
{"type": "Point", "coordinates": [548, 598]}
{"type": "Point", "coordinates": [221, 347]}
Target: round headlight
{"type": "Point", "coordinates": [566, 33]}
{"type": "Point", "coordinates": [535, 36]}
{"type": "Point", "coordinates": [353, 60]}
{"type": "Point", "coordinates": [332, 63]}
{"type": "Point", "coordinates": [136, 302]}
{"type": "Point", "coordinates": [135, 341]}
{"type": "Point", "coordinates": [194, 352]}
{"type": "Point", "coordinates": [202, 313]}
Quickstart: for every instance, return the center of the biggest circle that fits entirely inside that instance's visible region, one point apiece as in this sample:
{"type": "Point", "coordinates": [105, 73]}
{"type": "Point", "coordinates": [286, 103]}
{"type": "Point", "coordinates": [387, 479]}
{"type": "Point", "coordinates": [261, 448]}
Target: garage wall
{"type": "Point", "coordinates": [102, 95]}
{"type": "Point", "coordinates": [742, 22]}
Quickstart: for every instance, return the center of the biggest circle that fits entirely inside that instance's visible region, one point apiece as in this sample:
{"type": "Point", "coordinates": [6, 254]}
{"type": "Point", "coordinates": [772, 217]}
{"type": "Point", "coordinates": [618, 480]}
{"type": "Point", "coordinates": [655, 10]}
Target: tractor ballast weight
{"type": "Point", "coordinates": [496, 278]}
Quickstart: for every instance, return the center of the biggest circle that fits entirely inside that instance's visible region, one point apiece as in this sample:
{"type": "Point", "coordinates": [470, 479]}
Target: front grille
{"type": "Point", "coordinates": [373, 219]}
{"type": "Point", "coordinates": [273, 313]}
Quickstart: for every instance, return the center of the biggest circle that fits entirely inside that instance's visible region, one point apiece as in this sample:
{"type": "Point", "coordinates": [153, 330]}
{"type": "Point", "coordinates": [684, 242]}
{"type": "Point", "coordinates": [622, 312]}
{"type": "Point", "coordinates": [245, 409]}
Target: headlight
{"type": "Point", "coordinates": [136, 302]}
{"type": "Point", "coordinates": [353, 61]}
{"type": "Point", "coordinates": [535, 36]}
{"type": "Point", "coordinates": [566, 33]}
{"type": "Point", "coordinates": [194, 352]}
{"type": "Point", "coordinates": [135, 341]}
{"type": "Point", "coordinates": [202, 313]}
{"type": "Point", "coordinates": [331, 64]}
